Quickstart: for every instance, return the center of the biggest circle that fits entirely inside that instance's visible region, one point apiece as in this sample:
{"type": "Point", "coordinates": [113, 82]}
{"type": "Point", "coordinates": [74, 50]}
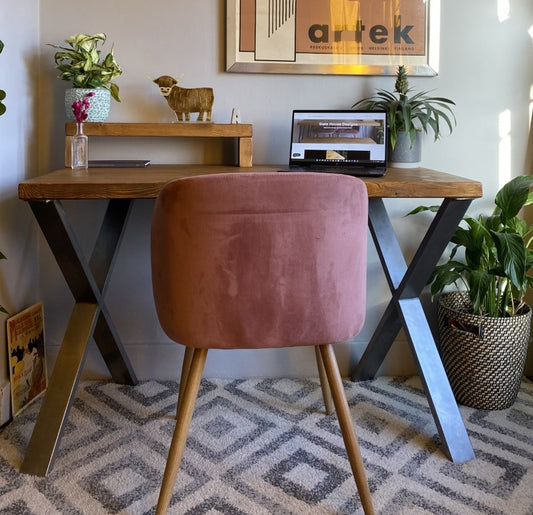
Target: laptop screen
{"type": "Point", "coordinates": [339, 138]}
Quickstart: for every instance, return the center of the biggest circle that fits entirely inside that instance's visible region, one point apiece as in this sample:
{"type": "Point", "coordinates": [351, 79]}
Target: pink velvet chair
{"type": "Point", "coordinates": [260, 260]}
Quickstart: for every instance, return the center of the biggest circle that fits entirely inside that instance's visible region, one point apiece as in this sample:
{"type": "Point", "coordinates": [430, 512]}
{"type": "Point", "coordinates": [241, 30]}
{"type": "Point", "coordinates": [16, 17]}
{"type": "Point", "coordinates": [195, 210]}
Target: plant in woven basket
{"type": "Point", "coordinates": [494, 269]}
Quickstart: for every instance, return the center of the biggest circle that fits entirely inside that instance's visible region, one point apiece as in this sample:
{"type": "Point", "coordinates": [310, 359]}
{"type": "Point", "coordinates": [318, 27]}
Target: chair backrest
{"type": "Point", "coordinates": [255, 260]}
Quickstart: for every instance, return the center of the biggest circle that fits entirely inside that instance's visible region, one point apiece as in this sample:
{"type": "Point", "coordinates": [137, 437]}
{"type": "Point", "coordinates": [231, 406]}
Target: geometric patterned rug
{"type": "Point", "coordinates": [265, 446]}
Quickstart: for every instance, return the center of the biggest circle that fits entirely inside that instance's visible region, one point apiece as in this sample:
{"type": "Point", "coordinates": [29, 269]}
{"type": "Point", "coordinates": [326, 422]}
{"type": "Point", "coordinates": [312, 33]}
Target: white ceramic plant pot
{"type": "Point", "coordinates": [405, 154]}
{"type": "Point", "coordinates": [100, 103]}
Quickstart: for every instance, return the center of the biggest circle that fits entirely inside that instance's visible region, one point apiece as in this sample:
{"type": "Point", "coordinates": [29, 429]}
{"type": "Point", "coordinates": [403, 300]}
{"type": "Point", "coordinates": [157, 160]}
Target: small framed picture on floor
{"type": "Point", "coordinates": [27, 362]}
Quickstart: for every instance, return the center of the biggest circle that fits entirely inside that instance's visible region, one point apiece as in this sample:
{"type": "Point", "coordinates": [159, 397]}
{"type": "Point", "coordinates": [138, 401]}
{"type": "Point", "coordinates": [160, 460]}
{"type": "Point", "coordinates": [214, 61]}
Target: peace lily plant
{"type": "Point", "coordinates": [498, 254]}
{"type": "Point", "coordinates": [410, 112]}
{"type": "Point", "coordinates": [80, 63]}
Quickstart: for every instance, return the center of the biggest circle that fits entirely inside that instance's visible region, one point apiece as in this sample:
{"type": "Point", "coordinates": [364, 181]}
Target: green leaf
{"type": "Point", "coordinates": [114, 92]}
{"type": "Point", "coordinates": [512, 256]}
{"type": "Point", "coordinates": [2, 106]}
{"type": "Point", "coordinates": [479, 283]}
{"type": "Point", "coordinates": [419, 209]}
{"type": "Point", "coordinates": [471, 237]}
{"type": "Point", "coordinates": [513, 196]}
{"type": "Point", "coordinates": [446, 274]}
{"type": "Point", "coordinates": [444, 279]}
{"type": "Point", "coordinates": [2, 92]}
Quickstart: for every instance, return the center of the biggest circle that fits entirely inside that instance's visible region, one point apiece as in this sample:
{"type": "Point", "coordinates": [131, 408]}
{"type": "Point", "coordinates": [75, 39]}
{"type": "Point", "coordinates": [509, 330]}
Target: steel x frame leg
{"type": "Point", "coordinates": [405, 310]}
{"type": "Point", "coordinates": [87, 281]}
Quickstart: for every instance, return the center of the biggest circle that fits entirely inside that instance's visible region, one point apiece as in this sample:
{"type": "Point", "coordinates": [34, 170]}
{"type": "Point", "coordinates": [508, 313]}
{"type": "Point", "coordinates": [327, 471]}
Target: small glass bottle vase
{"type": "Point", "coordinates": [79, 149]}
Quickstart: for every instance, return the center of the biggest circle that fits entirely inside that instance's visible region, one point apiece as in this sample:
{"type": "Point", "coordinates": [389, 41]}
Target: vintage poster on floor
{"type": "Point", "coordinates": [27, 362]}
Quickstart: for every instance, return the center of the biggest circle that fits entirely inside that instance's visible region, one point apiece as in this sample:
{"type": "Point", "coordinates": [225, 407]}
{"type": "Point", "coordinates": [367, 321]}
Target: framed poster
{"type": "Point", "coordinates": [345, 37]}
{"type": "Point", "coordinates": [27, 363]}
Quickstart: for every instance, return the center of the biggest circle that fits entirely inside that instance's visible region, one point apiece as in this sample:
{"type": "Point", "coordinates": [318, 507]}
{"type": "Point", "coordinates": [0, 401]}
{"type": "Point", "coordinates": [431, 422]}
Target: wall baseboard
{"type": "Point", "coordinates": [162, 361]}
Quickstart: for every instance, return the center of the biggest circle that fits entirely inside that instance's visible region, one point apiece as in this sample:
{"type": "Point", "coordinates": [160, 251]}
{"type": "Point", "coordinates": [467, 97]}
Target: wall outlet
{"type": "Point", "coordinates": [235, 115]}
{"type": "Point", "coordinates": [5, 403]}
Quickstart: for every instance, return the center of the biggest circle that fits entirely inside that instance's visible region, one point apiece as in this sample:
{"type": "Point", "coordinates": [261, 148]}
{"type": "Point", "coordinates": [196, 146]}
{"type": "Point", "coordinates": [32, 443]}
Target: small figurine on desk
{"type": "Point", "coordinates": [184, 101]}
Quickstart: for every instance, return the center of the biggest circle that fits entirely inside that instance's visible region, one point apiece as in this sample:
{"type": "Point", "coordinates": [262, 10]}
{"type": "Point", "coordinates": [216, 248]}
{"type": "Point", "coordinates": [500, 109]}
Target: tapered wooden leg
{"type": "Point", "coordinates": [326, 391]}
{"type": "Point", "coordinates": [185, 411]}
{"type": "Point", "coordinates": [347, 428]}
{"type": "Point", "coordinates": [185, 367]}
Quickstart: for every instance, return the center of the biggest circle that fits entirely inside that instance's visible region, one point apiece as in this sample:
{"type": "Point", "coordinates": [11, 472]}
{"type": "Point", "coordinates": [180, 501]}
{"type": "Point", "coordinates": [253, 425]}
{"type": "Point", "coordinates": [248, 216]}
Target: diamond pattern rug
{"type": "Point", "coordinates": [264, 446]}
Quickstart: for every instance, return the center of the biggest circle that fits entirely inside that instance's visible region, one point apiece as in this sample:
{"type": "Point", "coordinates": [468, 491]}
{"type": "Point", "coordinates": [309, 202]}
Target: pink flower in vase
{"type": "Point", "coordinates": [80, 107]}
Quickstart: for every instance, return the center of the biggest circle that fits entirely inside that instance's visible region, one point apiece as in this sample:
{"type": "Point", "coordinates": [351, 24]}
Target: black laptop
{"type": "Point", "coordinates": [341, 141]}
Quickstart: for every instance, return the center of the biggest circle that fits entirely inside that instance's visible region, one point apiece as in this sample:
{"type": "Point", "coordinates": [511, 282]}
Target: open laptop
{"type": "Point", "coordinates": [339, 141]}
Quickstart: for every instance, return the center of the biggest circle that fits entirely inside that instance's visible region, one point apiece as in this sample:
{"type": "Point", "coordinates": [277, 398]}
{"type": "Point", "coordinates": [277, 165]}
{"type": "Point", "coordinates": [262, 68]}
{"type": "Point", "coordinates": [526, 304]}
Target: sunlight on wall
{"type": "Point", "coordinates": [530, 32]}
{"type": "Point", "coordinates": [504, 9]}
{"type": "Point", "coordinates": [504, 149]}
{"type": "Point", "coordinates": [531, 104]}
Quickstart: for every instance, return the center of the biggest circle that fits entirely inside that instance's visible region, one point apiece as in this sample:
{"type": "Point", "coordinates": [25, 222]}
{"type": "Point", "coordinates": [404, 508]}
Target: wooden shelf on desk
{"type": "Point", "coordinates": [242, 132]}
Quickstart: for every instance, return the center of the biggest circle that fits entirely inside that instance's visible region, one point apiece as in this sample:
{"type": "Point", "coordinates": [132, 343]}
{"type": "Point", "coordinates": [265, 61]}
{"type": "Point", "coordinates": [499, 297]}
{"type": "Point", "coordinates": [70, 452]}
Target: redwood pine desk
{"type": "Point", "coordinates": [88, 279]}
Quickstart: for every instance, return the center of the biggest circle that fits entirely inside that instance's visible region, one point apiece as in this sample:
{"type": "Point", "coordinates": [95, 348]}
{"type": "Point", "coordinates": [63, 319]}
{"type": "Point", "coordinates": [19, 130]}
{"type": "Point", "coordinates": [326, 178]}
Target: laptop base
{"type": "Point", "coordinates": [356, 172]}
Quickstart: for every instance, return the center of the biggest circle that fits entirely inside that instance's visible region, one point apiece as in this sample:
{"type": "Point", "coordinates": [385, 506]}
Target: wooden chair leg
{"type": "Point", "coordinates": [324, 384]}
{"type": "Point", "coordinates": [347, 428]}
{"type": "Point", "coordinates": [185, 367]}
{"type": "Point", "coordinates": [185, 411]}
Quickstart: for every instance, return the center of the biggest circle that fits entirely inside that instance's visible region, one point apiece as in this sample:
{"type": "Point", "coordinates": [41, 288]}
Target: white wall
{"type": "Point", "coordinates": [19, 61]}
{"type": "Point", "coordinates": [485, 66]}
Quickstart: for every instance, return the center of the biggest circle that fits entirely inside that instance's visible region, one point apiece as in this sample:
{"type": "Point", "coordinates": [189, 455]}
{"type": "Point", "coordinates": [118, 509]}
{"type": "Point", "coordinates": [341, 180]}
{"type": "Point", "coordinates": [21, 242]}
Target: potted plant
{"type": "Point", "coordinates": [80, 63]}
{"type": "Point", "coordinates": [484, 325]}
{"type": "Point", "coordinates": [2, 111]}
{"type": "Point", "coordinates": [408, 114]}
{"type": "Point", "coordinates": [2, 92]}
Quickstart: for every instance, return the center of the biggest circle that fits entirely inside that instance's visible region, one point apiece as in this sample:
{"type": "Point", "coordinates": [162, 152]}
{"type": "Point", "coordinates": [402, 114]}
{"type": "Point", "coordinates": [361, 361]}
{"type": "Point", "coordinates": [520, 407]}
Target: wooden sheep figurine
{"type": "Point", "coordinates": [184, 101]}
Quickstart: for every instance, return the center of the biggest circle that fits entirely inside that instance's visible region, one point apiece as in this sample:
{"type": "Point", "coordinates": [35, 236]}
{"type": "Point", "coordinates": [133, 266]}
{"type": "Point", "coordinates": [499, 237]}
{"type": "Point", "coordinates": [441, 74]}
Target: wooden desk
{"type": "Point", "coordinates": [88, 279]}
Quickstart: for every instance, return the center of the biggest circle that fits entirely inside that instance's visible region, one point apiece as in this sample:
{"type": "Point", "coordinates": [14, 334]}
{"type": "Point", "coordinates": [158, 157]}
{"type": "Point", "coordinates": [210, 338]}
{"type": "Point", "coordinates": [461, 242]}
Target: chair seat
{"type": "Point", "coordinates": [258, 258]}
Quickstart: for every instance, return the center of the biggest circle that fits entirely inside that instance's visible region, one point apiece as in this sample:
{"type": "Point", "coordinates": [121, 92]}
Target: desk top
{"type": "Point", "coordinates": [133, 183]}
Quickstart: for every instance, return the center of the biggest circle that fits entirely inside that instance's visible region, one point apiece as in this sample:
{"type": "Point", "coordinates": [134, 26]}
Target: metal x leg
{"type": "Point", "coordinates": [90, 318]}
{"type": "Point", "coordinates": [405, 310]}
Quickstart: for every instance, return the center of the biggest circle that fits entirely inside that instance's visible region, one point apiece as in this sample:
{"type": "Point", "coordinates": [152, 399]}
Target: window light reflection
{"type": "Point", "coordinates": [504, 9]}
{"type": "Point", "coordinates": [531, 105]}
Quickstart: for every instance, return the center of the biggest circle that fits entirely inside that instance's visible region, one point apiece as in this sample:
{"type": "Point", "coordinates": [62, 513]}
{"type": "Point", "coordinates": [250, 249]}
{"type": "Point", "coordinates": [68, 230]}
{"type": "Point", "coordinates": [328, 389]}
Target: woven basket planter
{"type": "Point", "coordinates": [484, 357]}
